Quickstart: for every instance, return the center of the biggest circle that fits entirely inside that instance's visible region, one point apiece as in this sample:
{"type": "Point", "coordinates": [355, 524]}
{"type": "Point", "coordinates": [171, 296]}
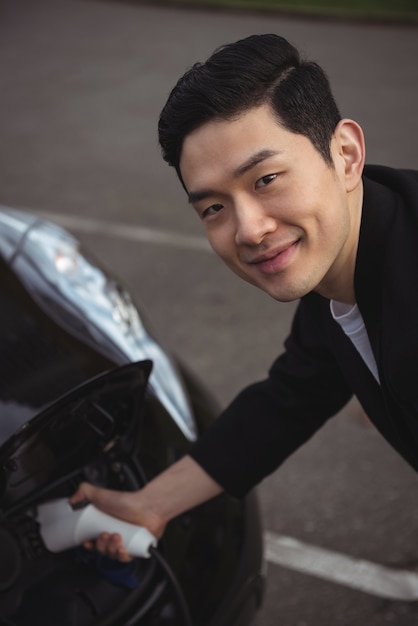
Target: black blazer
{"type": "Point", "coordinates": [321, 369]}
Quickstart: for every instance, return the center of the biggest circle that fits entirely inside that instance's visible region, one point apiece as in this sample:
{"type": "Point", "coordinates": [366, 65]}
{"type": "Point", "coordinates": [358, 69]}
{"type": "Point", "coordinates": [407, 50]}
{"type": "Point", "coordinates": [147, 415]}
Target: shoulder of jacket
{"type": "Point", "coordinates": [391, 177]}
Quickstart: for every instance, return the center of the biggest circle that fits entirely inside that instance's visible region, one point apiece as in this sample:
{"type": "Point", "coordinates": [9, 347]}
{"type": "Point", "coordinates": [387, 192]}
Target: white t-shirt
{"type": "Point", "coordinates": [351, 321]}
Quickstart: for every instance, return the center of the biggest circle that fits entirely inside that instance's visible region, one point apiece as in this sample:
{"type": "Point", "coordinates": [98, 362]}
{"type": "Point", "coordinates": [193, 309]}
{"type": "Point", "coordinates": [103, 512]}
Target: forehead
{"type": "Point", "coordinates": [248, 125]}
{"type": "Point", "coordinates": [225, 147]}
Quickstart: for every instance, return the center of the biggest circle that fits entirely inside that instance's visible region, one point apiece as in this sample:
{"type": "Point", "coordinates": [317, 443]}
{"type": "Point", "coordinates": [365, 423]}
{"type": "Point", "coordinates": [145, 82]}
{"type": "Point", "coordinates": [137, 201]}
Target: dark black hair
{"type": "Point", "coordinates": [248, 73]}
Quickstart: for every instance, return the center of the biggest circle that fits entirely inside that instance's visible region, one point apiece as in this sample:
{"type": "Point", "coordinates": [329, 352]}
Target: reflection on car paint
{"type": "Point", "coordinates": [50, 263]}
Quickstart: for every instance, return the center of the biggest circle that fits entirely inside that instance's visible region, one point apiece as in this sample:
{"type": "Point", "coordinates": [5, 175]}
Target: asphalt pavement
{"type": "Point", "coordinates": [82, 84]}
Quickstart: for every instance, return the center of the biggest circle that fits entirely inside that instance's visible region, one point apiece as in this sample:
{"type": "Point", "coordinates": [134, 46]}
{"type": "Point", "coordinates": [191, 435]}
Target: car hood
{"type": "Point", "coordinates": [64, 319]}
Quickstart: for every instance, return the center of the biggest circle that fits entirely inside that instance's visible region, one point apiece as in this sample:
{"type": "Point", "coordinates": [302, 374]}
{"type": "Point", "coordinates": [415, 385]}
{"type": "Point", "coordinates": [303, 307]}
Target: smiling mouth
{"type": "Point", "coordinates": [276, 260]}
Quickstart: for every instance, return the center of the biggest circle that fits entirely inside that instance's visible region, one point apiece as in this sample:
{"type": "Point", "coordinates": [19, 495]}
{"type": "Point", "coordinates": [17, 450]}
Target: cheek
{"type": "Point", "coordinates": [333, 233]}
{"type": "Point", "coordinates": [222, 242]}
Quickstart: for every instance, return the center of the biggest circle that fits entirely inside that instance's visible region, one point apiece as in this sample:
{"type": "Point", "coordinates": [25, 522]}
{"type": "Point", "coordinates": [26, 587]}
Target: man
{"type": "Point", "coordinates": [278, 180]}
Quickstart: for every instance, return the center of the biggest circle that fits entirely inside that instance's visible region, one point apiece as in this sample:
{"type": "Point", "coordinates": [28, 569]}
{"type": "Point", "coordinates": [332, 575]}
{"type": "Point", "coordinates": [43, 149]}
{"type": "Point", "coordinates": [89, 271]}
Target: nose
{"type": "Point", "coordinates": [253, 223]}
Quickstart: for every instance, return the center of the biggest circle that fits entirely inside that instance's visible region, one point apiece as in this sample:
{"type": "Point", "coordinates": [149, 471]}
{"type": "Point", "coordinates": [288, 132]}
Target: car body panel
{"type": "Point", "coordinates": [88, 393]}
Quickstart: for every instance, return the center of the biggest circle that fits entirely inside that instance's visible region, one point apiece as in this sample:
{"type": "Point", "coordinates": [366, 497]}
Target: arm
{"type": "Point", "coordinates": [271, 419]}
{"type": "Point", "coordinates": [179, 488]}
{"type": "Point", "coordinates": [253, 436]}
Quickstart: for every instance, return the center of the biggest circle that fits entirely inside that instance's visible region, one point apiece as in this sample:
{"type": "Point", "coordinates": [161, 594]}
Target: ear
{"type": "Point", "coordinates": [350, 152]}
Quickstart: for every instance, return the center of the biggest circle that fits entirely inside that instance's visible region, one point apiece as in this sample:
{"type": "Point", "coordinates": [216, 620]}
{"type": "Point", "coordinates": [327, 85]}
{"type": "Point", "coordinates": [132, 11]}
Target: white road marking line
{"type": "Point", "coordinates": [128, 231]}
{"type": "Point", "coordinates": [378, 580]}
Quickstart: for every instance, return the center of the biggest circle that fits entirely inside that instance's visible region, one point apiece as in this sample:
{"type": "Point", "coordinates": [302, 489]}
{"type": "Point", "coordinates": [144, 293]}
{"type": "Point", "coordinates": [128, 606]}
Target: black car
{"type": "Point", "coordinates": [88, 393]}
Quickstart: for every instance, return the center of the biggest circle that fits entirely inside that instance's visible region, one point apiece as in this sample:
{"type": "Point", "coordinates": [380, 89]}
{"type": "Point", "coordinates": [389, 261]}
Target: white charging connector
{"type": "Point", "coordinates": [62, 527]}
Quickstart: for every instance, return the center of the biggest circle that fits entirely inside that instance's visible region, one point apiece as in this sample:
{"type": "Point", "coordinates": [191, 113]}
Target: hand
{"type": "Point", "coordinates": [180, 487]}
{"type": "Point", "coordinates": [123, 505]}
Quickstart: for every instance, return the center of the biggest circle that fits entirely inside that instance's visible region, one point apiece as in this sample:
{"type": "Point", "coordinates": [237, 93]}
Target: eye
{"type": "Point", "coordinates": [212, 210]}
{"type": "Point", "coordinates": [265, 180]}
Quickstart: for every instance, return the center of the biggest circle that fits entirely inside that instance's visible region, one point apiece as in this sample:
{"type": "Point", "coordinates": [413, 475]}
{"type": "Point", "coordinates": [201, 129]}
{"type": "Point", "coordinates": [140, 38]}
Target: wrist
{"type": "Point", "coordinates": [149, 512]}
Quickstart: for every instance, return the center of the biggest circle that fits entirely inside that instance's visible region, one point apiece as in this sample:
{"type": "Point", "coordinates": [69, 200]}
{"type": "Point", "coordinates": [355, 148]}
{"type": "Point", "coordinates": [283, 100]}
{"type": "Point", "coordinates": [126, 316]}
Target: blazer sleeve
{"type": "Point", "coordinates": [270, 419]}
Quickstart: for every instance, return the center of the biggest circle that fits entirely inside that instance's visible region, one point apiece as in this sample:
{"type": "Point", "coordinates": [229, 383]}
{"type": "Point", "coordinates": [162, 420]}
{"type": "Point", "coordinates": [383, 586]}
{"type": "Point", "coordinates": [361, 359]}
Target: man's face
{"type": "Point", "coordinates": [276, 213]}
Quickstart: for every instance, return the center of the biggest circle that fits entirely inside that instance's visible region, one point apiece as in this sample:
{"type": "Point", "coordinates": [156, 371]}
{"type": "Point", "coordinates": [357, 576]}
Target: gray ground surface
{"type": "Point", "coordinates": [81, 87]}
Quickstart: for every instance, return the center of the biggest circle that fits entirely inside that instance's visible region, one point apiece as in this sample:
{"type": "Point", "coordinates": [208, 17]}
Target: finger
{"type": "Point", "coordinates": [102, 544]}
{"type": "Point", "coordinates": [111, 545]}
{"type": "Point", "coordinates": [117, 550]}
{"type": "Point", "coordinates": [84, 492]}
{"type": "Point", "coordinates": [123, 556]}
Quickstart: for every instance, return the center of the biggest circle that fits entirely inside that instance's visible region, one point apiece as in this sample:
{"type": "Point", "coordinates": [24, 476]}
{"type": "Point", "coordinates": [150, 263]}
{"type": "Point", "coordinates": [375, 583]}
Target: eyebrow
{"type": "Point", "coordinates": [252, 161]}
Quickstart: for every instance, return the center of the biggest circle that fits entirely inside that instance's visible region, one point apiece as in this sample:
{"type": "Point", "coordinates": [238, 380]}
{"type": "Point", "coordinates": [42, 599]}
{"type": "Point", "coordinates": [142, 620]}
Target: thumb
{"type": "Point", "coordinates": [112, 502]}
{"type": "Point", "coordinates": [85, 492]}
